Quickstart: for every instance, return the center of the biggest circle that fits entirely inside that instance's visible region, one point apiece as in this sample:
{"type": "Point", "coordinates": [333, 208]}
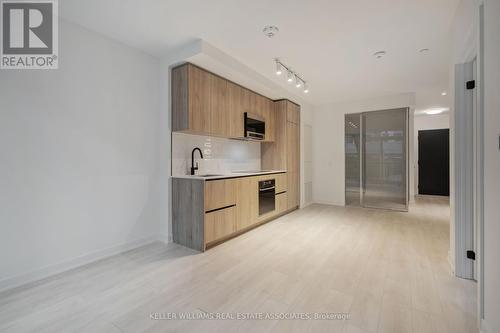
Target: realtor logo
{"type": "Point", "coordinates": [29, 34]}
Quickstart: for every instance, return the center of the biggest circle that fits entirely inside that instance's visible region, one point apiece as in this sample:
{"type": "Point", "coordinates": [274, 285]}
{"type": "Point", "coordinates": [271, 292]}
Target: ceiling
{"type": "Point", "coordinates": [330, 43]}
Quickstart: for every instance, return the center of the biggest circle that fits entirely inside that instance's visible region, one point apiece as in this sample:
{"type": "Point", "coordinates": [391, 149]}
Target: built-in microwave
{"type": "Point", "coordinates": [255, 127]}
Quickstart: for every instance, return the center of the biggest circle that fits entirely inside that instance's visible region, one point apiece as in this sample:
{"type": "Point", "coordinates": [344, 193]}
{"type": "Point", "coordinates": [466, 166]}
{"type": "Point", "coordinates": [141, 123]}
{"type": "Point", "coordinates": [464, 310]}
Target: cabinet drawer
{"type": "Point", "coordinates": [219, 193]}
{"type": "Point", "coordinates": [219, 224]}
{"type": "Point", "coordinates": [281, 182]}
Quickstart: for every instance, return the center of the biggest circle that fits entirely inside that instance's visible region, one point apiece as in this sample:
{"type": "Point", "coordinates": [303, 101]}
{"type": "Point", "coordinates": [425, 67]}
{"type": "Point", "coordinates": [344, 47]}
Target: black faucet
{"type": "Point", "coordinates": [194, 168]}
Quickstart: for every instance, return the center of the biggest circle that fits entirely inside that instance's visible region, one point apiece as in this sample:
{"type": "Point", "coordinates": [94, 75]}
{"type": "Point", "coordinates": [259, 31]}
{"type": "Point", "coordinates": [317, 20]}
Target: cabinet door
{"type": "Point", "coordinates": [281, 202]}
{"type": "Point", "coordinates": [219, 115]}
{"type": "Point", "coordinates": [247, 203]}
{"type": "Point", "coordinates": [293, 164]}
{"type": "Point", "coordinates": [293, 189]}
{"type": "Point", "coordinates": [293, 147]}
{"type": "Point", "coordinates": [281, 181]}
{"type": "Point", "coordinates": [293, 113]}
{"type": "Point", "coordinates": [220, 224]}
{"type": "Point", "coordinates": [270, 118]}
{"type": "Point", "coordinates": [219, 193]}
{"type": "Point", "coordinates": [235, 110]}
{"type": "Point", "coordinates": [199, 95]}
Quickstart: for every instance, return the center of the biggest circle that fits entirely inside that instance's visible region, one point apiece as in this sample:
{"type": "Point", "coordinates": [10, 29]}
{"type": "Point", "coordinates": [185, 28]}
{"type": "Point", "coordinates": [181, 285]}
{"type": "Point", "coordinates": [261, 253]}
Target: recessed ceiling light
{"type": "Point", "coordinates": [379, 54]}
{"type": "Point", "coordinates": [424, 50]}
{"type": "Point", "coordinates": [444, 93]}
{"type": "Point", "coordinates": [270, 30]}
{"type": "Point", "coordinates": [435, 111]}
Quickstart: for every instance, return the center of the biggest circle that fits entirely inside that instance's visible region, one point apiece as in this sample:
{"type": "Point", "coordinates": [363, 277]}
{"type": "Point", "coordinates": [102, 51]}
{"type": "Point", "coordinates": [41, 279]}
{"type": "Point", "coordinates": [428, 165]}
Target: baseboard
{"type": "Point", "coordinates": [39, 274]}
{"type": "Point", "coordinates": [320, 202]}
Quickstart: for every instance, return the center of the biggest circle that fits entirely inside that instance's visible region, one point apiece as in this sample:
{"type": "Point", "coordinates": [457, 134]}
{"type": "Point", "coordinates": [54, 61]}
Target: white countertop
{"type": "Point", "coordinates": [230, 175]}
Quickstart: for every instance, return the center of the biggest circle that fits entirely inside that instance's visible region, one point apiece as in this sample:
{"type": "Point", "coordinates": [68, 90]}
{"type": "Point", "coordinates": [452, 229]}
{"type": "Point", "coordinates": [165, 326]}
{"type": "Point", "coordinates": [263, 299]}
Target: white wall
{"type": "Point", "coordinates": [78, 157]}
{"type": "Point", "coordinates": [491, 57]}
{"type": "Point", "coordinates": [306, 154]}
{"type": "Point", "coordinates": [220, 155]}
{"type": "Point", "coordinates": [426, 122]}
{"type": "Point", "coordinates": [328, 143]}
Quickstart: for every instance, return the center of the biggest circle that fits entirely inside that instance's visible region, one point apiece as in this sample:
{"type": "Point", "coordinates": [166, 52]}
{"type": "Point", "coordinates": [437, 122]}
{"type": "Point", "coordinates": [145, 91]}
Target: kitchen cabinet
{"type": "Point", "coordinates": [247, 203]}
{"type": "Point", "coordinates": [281, 182]}
{"type": "Point", "coordinates": [281, 202]}
{"type": "Point", "coordinates": [235, 110]}
{"type": "Point", "coordinates": [206, 212]}
{"type": "Point", "coordinates": [284, 152]}
{"type": "Point", "coordinates": [191, 94]}
{"type": "Point", "coordinates": [219, 224]}
{"type": "Point", "coordinates": [219, 107]}
{"type": "Point", "coordinates": [205, 103]}
{"type": "Point", "coordinates": [220, 193]}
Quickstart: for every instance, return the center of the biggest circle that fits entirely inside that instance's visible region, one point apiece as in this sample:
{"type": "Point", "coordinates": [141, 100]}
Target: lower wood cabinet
{"type": "Point", "coordinates": [220, 193]}
{"type": "Point", "coordinates": [247, 202]}
{"type": "Point", "coordinates": [219, 224]}
{"type": "Point", "coordinates": [206, 212]}
{"type": "Point", "coordinates": [281, 202]}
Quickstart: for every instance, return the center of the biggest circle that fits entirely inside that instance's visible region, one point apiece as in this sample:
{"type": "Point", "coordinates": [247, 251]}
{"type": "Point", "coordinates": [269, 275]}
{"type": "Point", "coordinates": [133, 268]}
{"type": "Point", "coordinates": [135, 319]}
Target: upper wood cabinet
{"type": "Point", "coordinates": [293, 113]}
{"type": "Point", "coordinates": [205, 103]}
{"type": "Point", "coordinates": [235, 110]}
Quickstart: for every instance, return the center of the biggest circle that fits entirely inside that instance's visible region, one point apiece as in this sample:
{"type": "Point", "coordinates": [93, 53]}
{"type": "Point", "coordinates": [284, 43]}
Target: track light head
{"type": "Point", "coordinates": [279, 69]}
{"type": "Point", "coordinates": [306, 88]}
{"type": "Point", "coordinates": [298, 83]}
{"type": "Point", "coordinates": [290, 76]}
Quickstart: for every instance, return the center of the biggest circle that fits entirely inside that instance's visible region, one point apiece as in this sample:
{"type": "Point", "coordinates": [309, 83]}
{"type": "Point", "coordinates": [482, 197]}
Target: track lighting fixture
{"type": "Point", "coordinates": [278, 67]}
{"type": "Point", "coordinates": [291, 75]}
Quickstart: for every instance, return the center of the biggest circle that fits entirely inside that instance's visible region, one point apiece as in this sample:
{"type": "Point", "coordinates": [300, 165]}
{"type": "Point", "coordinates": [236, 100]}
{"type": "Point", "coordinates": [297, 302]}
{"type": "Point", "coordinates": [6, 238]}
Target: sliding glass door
{"type": "Point", "coordinates": [382, 157]}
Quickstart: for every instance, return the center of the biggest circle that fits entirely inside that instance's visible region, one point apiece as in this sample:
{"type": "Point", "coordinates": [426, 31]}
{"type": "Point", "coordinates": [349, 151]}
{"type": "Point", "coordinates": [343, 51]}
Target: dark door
{"type": "Point", "coordinates": [434, 162]}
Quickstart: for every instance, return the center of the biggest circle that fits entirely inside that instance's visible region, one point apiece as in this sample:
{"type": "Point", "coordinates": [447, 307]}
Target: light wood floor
{"type": "Point", "coordinates": [388, 270]}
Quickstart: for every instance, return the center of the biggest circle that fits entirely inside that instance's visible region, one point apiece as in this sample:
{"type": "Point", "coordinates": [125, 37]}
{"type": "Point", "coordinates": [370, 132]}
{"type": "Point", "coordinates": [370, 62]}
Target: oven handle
{"type": "Point", "coordinates": [267, 189]}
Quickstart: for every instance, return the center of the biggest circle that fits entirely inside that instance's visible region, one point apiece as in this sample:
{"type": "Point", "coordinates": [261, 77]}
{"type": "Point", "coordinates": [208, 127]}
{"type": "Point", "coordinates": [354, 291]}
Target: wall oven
{"type": "Point", "coordinates": [255, 127]}
{"type": "Point", "coordinates": [267, 193]}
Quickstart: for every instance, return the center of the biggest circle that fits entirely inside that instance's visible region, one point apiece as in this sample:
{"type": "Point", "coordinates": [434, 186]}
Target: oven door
{"type": "Point", "coordinates": [267, 193]}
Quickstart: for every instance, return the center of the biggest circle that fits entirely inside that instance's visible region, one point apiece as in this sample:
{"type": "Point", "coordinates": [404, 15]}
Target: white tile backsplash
{"type": "Point", "coordinates": [220, 155]}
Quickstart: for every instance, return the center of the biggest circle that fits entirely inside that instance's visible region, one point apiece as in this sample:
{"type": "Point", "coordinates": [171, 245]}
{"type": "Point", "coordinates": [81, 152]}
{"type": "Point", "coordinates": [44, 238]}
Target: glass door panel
{"type": "Point", "coordinates": [352, 159]}
{"type": "Point", "coordinates": [384, 159]}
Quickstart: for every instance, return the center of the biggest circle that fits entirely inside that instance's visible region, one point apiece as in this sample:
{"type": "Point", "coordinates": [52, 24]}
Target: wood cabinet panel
{"type": "Point", "coordinates": [293, 113]}
{"type": "Point", "coordinates": [199, 100]}
{"type": "Point", "coordinates": [235, 110]}
{"type": "Point", "coordinates": [219, 107]}
{"type": "Point", "coordinates": [281, 203]}
{"type": "Point", "coordinates": [293, 147]}
{"type": "Point", "coordinates": [219, 224]}
{"type": "Point", "coordinates": [220, 193]}
{"type": "Point", "coordinates": [269, 115]}
{"type": "Point", "coordinates": [293, 191]}
{"type": "Point", "coordinates": [281, 182]}
{"type": "Point", "coordinates": [273, 154]}
{"type": "Point", "coordinates": [247, 203]}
